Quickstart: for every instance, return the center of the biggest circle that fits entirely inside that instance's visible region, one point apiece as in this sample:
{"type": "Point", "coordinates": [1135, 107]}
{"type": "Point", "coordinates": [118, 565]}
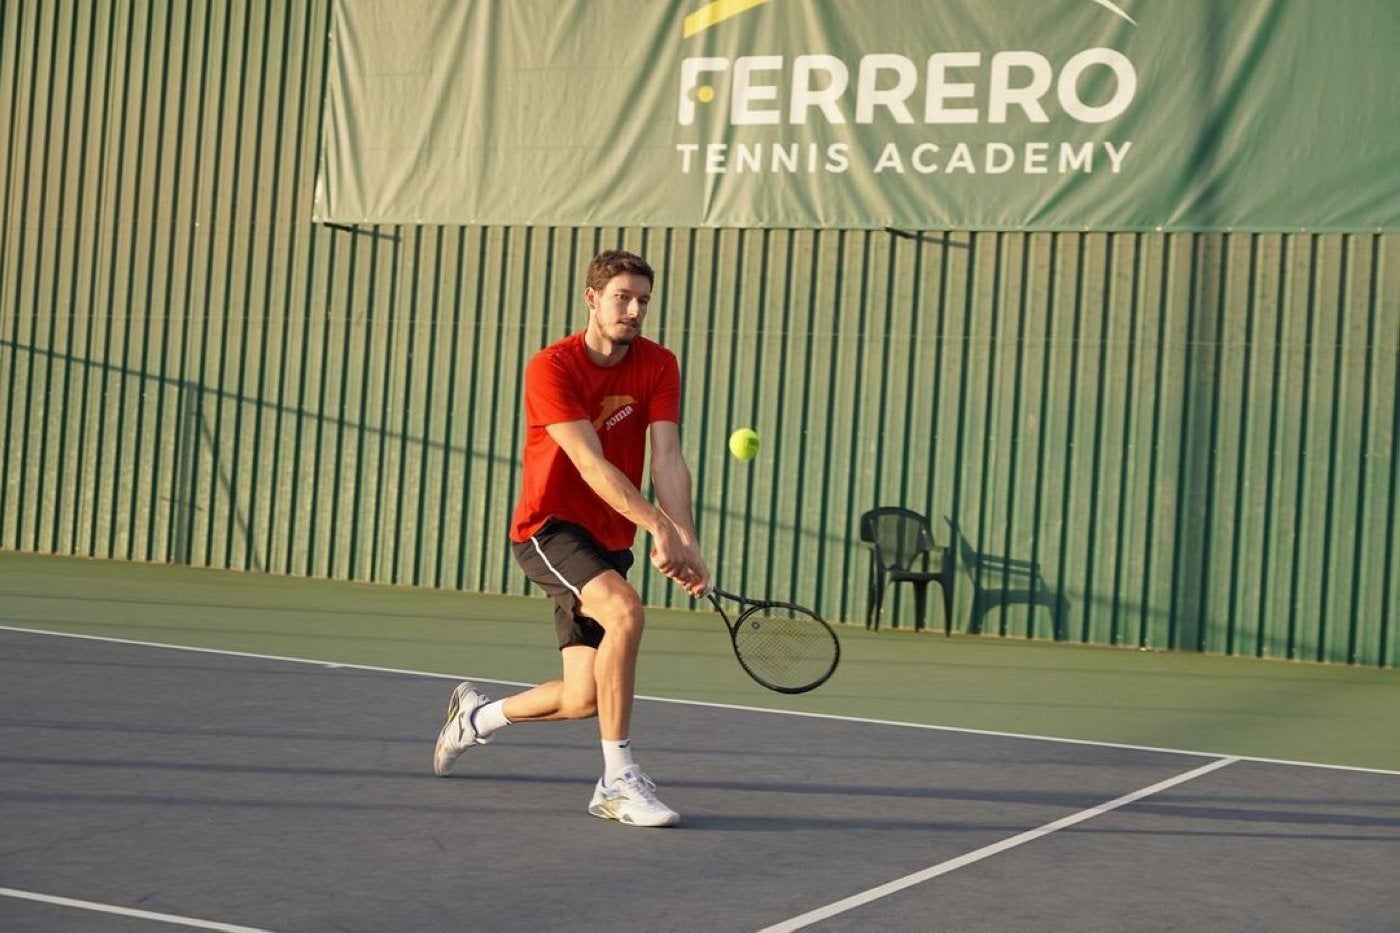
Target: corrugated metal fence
{"type": "Point", "coordinates": [1183, 441]}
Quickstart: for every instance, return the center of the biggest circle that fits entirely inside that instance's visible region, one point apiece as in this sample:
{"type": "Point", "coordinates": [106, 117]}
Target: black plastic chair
{"type": "Point", "coordinates": [901, 548]}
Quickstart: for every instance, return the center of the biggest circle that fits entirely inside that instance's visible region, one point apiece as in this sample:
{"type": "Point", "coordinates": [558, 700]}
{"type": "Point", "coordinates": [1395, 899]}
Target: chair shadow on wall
{"type": "Point", "coordinates": [999, 581]}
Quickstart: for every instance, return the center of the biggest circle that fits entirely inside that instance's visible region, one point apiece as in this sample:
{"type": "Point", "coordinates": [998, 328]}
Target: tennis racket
{"type": "Point", "coordinates": [783, 646]}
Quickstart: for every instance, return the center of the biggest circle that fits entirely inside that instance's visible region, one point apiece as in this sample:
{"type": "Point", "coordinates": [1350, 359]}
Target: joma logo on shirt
{"type": "Point", "coordinates": [614, 409]}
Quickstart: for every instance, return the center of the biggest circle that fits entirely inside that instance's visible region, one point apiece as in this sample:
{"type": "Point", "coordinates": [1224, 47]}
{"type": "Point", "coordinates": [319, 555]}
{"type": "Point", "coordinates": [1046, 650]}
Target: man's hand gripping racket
{"type": "Point", "coordinates": [783, 646]}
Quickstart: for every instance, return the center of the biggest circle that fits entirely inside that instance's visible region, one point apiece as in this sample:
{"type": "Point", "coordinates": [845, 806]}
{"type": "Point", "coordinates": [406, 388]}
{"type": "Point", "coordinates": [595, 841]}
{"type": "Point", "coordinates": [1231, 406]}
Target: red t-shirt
{"type": "Point", "coordinates": [562, 384]}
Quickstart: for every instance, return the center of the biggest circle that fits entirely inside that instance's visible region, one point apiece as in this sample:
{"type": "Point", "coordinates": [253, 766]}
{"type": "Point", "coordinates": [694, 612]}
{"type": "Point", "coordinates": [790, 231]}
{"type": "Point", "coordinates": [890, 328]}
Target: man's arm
{"type": "Point", "coordinates": [671, 477]}
{"type": "Point", "coordinates": [580, 443]}
{"type": "Point", "coordinates": [672, 550]}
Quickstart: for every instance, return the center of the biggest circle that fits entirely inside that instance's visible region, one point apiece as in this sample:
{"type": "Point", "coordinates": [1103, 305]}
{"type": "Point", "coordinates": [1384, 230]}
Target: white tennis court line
{"type": "Point", "coordinates": [977, 855]}
{"type": "Point", "coordinates": [129, 912]}
{"type": "Point", "coordinates": [705, 703]}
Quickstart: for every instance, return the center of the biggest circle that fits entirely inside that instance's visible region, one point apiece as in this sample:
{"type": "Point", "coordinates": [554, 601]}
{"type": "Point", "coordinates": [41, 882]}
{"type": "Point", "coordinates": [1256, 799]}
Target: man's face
{"type": "Point", "coordinates": [619, 307]}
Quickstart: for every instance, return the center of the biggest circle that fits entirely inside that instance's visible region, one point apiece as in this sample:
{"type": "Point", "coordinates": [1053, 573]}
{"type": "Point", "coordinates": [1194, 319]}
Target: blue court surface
{"type": "Point", "coordinates": [148, 787]}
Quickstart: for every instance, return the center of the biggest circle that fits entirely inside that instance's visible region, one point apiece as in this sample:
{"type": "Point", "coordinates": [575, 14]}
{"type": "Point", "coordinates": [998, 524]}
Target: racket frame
{"type": "Point", "coordinates": [748, 606]}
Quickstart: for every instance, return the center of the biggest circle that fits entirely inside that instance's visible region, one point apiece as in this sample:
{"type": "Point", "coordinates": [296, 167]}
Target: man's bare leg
{"type": "Point", "coordinates": [610, 600]}
{"type": "Point", "coordinates": [575, 696]}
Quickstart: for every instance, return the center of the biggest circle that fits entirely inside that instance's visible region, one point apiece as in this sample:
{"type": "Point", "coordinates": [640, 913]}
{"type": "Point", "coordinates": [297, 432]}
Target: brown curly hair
{"type": "Point", "coordinates": [614, 262]}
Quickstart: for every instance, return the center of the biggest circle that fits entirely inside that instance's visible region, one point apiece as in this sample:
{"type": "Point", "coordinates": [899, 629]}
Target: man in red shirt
{"type": "Point", "coordinates": [592, 401]}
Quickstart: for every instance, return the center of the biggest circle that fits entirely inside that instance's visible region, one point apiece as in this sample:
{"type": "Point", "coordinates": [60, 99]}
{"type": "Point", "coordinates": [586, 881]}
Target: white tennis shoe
{"type": "Point", "coordinates": [458, 734]}
{"type": "Point", "coordinates": [631, 799]}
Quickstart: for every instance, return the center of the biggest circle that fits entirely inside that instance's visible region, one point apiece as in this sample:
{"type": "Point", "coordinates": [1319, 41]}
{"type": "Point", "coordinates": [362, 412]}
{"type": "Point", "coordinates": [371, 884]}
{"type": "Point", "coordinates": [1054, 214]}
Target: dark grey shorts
{"type": "Point", "coordinates": [561, 557]}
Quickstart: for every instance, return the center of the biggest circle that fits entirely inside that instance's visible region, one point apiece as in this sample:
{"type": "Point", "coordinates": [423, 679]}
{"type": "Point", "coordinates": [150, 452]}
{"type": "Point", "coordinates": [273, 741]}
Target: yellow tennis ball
{"type": "Point", "coordinates": [743, 443]}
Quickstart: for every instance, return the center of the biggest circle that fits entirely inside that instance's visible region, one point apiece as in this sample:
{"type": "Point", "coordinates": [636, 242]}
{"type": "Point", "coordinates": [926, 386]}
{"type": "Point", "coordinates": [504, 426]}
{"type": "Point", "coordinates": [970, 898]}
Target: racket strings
{"type": "Point", "coordinates": [785, 647]}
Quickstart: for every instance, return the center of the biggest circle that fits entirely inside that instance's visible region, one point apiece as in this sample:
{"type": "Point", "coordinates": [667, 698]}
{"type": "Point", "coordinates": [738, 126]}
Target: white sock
{"type": "Point", "coordinates": [617, 758]}
{"type": "Point", "coordinates": [489, 718]}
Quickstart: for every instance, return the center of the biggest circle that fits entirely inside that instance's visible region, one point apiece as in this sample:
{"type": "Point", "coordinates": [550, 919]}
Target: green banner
{"type": "Point", "coordinates": [1255, 115]}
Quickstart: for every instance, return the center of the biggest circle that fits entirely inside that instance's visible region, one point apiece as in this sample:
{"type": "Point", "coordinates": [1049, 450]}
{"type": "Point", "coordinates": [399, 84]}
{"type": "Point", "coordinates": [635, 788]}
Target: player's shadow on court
{"type": "Point", "coordinates": [1000, 582]}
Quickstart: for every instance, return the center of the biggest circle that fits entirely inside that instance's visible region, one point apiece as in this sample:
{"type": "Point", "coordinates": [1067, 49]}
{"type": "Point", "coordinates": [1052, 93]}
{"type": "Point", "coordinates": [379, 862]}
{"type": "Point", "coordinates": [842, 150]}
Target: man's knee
{"type": "Point", "coordinates": [578, 704]}
{"type": "Point", "coordinates": [617, 608]}
{"type": "Point", "coordinates": [578, 694]}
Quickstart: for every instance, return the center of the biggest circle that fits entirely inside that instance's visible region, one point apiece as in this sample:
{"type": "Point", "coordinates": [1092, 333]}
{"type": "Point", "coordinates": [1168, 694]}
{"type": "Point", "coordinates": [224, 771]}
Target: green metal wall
{"type": "Point", "coordinates": [1183, 441]}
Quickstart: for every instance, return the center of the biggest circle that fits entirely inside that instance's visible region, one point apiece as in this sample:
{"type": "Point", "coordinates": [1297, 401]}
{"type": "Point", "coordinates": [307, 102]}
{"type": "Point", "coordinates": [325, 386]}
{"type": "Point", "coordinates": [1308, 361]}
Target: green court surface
{"type": "Point", "coordinates": [1267, 709]}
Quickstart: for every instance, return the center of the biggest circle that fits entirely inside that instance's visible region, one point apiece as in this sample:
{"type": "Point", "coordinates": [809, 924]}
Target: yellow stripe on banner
{"type": "Point", "coordinates": [716, 12]}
